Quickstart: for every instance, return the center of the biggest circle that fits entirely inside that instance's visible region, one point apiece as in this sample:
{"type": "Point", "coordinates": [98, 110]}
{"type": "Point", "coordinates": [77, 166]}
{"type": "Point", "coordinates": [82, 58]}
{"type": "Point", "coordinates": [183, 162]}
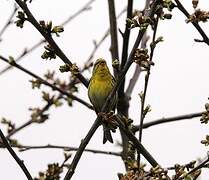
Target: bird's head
{"type": "Point", "coordinates": [100, 68]}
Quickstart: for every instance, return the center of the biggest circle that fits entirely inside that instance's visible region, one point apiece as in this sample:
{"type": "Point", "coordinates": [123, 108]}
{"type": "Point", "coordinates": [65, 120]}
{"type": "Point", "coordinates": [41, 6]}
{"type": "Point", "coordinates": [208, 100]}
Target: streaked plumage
{"type": "Point", "coordinates": [100, 86]}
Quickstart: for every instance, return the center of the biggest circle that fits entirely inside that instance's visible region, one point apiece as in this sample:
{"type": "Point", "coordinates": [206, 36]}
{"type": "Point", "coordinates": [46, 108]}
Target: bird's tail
{"type": "Point", "coordinates": [107, 134]}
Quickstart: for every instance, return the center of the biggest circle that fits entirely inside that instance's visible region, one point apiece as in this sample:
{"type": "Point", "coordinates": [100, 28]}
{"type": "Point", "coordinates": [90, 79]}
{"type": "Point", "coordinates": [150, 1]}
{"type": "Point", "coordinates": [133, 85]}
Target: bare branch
{"type": "Point", "coordinates": [126, 36]}
{"type": "Point", "coordinates": [27, 123]}
{"type": "Point", "coordinates": [84, 8]}
{"type": "Point", "coordinates": [142, 115]}
{"type": "Point", "coordinates": [14, 155]}
{"type": "Point", "coordinates": [113, 32]}
{"type": "Point", "coordinates": [13, 63]}
{"type": "Point", "coordinates": [65, 148]}
{"type": "Point", "coordinates": [169, 119]}
{"type": "Point", "coordinates": [23, 54]}
{"type": "Point", "coordinates": [137, 71]}
{"type": "Point", "coordinates": [123, 103]}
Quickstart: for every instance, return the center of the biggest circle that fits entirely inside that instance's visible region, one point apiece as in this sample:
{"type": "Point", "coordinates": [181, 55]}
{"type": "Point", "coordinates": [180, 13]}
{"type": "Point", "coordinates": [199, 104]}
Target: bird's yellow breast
{"type": "Point", "coordinates": [98, 91]}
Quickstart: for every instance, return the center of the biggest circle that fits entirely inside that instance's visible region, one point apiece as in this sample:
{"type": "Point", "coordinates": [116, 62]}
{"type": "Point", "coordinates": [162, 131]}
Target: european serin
{"type": "Point", "coordinates": [100, 86]}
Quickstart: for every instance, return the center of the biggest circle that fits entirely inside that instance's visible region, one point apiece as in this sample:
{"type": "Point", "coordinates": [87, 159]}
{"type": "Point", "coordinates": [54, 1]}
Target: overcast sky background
{"type": "Point", "coordinates": [178, 85]}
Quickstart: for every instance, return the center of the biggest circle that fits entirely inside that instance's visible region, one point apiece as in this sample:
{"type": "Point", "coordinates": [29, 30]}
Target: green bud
{"type": "Point", "coordinates": [64, 68]}
{"type": "Point", "coordinates": [57, 30]}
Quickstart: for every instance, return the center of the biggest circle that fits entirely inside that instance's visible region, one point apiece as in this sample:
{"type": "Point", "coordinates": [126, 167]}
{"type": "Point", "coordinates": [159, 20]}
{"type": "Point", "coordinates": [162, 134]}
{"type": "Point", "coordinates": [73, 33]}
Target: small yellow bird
{"type": "Point", "coordinates": [100, 86]}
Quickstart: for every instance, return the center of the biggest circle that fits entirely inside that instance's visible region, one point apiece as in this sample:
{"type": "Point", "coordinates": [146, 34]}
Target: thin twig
{"type": "Point", "coordinates": [29, 122]}
{"type": "Point", "coordinates": [195, 24]}
{"type": "Point", "coordinates": [126, 36]}
{"type": "Point", "coordinates": [168, 119]}
{"type": "Point", "coordinates": [65, 148]}
{"type": "Point", "coordinates": [137, 71]}
{"type": "Point", "coordinates": [13, 63]}
{"type": "Point", "coordinates": [113, 32]}
{"type": "Point", "coordinates": [142, 115]}
{"type": "Point", "coordinates": [85, 7]}
{"type": "Point", "coordinates": [23, 54]}
{"type": "Point", "coordinates": [49, 39]}
{"type": "Point", "coordinates": [67, 157]}
{"type": "Point", "coordinates": [14, 155]}
{"type": "Point", "coordinates": [9, 21]}
{"type": "Point", "coordinates": [123, 102]}
{"type": "Point", "coordinates": [199, 166]}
